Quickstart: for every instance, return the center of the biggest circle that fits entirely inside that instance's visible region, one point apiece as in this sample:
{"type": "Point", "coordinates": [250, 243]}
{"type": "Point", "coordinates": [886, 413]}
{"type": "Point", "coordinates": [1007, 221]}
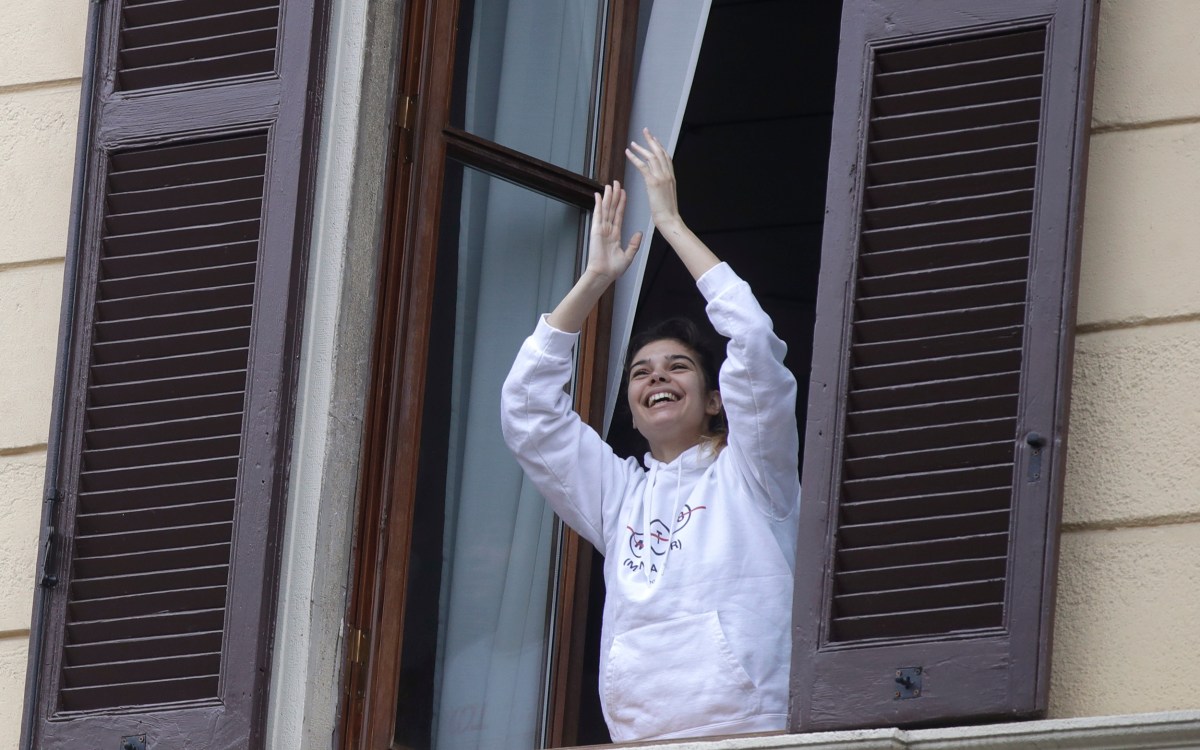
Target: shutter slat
{"type": "Point", "coordinates": [135, 672]}
{"type": "Point", "coordinates": [171, 493]}
{"type": "Point", "coordinates": [187, 216]}
{"type": "Point", "coordinates": [922, 437]}
{"type": "Point", "coordinates": [956, 118]}
{"type": "Point", "coordinates": [225, 318]}
{"type": "Point", "coordinates": [191, 193]}
{"type": "Point", "coordinates": [934, 459]}
{"type": "Point", "coordinates": [929, 528]}
{"type": "Point", "coordinates": [167, 303]}
{"type": "Point", "coordinates": [157, 646]}
{"type": "Point", "coordinates": [917, 191]}
{"type": "Point", "coordinates": [926, 506]}
{"type": "Point", "coordinates": [138, 605]}
{"type": "Point", "coordinates": [209, 68]}
{"type": "Point", "coordinates": [125, 521]}
{"type": "Point", "coordinates": [940, 323]}
{"type": "Point", "coordinates": [990, 591]}
{"type": "Point", "coordinates": [183, 429]}
{"type": "Point", "coordinates": [241, 160]}
{"type": "Point", "coordinates": [968, 50]}
{"type": "Point", "coordinates": [155, 347]}
{"type": "Point", "coordinates": [966, 94]}
{"type": "Point", "coordinates": [953, 163]}
{"type": "Point", "coordinates": [154, 475]}
{"type": "Point", "coordinates": [245, 39]}
{"type": "Point", "coordinates": [183, 239]}
{"type": "Point", "coordinates": [903, 554]}
{"type": "Point", "coordinates": [989, 204]}
{"type": "Point", "coordinates": [926, 415]}
{"type": "Point", "coordinates": [945, 255]}
{"type": "Point", "coordinates": [946, 232]}
{"type": "Point", "coordinates": [204, 24]}
{"type": "Point", "coordinates": [167, 410]}
{"type": "Point", "coordinates": [173, 261]}
{"type": "Point", "coordinates": [161, 580]}
{"type": "Point", "coordinates": [144, 693]}
{"type": "Point", "coordinates": [959, 141]}
{"type": "Point", "coordinates": [191, 279]}
{"type": "Point", "coordinates": [917, 372]}
{"type": "Point", "coordinates": [920, 622]}
{"type": "Point", "coordinates": [960, 72]}
{"type": "Point", "coordinates": [140, 455]}
{"type": "Point", "coordinates": [930, 347]}
{"type": "Point", "coordinates": [931, 574]}
{"type": "Point", "coordinates": [929, 483]}
{"type": "Point", "coordinates": [161, 389]}
{"type": "Point", "coordinates": [169, 367]}
{"type": "Point", "coordinates": [145, 562]}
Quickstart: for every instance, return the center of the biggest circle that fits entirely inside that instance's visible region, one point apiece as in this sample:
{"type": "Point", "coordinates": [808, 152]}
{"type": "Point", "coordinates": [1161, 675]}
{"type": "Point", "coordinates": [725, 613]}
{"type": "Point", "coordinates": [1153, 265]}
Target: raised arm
{"type": "Point", "coordinates": [607, 260]}
{"type": "Point", "coordinates": [653, 161]}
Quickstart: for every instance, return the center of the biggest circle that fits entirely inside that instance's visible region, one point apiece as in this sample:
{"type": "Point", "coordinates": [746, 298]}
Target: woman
{"type": "Point", "coordinates": [699, 545]}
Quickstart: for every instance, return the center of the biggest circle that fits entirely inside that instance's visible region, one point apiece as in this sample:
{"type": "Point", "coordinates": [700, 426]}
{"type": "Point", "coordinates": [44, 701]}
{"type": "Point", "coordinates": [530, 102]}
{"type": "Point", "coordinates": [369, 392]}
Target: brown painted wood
{"type": "Point", "coordinates": [912, 484]}
{"type": "Point", "coordinates": [507, 164]}
{"type": "Point", "coordinates": [240, 529]}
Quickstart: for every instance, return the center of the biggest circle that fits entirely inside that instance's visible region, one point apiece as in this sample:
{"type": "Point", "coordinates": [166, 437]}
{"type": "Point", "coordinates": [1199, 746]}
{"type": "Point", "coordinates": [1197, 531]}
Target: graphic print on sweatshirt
{"type": "Point", "coordinates": [651, 549]}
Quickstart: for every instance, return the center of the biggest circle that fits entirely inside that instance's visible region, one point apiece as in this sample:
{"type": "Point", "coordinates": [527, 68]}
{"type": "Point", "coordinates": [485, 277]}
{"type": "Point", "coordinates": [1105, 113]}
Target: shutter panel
{"type": "Point", "coordinates": [177, 431]}
{"type": "Point", "coordinates": [941, 364]}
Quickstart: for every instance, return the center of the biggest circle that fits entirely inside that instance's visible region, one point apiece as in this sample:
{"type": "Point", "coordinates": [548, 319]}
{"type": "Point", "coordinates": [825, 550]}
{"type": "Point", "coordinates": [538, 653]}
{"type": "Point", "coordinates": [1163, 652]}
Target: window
{"type": "Point", "coordinates": [945, 294]}
{"type": "Point", "coordinates": [169, 464]}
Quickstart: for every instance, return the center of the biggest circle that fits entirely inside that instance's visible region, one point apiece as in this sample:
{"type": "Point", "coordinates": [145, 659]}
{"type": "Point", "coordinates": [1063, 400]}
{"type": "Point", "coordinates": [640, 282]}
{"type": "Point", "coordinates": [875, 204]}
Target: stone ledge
{"type": "Point", "coordinates": [1173, 729]}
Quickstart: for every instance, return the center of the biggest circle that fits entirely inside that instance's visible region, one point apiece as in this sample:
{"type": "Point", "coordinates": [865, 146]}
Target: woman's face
{"type": "Point", "coordinates": [670, 402]}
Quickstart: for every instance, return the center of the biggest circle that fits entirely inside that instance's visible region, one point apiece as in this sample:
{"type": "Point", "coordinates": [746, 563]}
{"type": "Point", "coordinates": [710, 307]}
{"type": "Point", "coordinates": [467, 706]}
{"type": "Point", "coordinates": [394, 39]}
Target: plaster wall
{"type": "Point", "coordinates": [1125, 635]}
{"type": "Point", "coordinates": [41, 58]}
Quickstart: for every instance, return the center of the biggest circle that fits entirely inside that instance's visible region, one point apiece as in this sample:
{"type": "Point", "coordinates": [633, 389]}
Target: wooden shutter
{"type": "Point", "coordinates": [941, 364]}
{"type": "Point", "coordinates": [177, 428]}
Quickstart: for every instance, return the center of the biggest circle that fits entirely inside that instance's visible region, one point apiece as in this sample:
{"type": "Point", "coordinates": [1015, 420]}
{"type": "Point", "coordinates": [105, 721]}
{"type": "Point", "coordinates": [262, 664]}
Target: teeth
{"type": "Point", "coordinates": [659, 397]}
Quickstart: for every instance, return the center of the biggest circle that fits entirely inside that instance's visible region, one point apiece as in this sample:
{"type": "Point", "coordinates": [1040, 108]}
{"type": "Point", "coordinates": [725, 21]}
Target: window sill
{"type": "Point", "coordinates": [1172, 729]}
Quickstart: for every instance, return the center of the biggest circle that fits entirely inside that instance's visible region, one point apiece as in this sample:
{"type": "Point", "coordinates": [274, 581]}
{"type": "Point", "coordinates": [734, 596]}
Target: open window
{"type": "Point", "coordinates": [943, 131]}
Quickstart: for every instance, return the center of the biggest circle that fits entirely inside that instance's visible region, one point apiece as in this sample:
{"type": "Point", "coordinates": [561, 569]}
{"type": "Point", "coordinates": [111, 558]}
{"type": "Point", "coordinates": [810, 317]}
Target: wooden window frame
{"type": "Point", "coordinates": [423, 141]}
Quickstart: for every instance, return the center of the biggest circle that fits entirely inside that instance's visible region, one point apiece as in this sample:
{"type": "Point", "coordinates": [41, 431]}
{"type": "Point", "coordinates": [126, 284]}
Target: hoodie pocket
{"type": "Point", "coordinates": [675, 675]}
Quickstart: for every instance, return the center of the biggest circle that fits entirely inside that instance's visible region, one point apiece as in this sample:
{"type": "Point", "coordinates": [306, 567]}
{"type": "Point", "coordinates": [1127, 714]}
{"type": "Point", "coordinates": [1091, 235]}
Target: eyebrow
{"type": "Point", "coordinates": [670, 358]}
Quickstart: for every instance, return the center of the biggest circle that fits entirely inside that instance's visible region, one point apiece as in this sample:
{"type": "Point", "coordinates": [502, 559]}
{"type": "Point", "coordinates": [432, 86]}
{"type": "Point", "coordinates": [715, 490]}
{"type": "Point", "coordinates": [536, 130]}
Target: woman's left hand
{"type": "Point", "coordinates": [653, 161]}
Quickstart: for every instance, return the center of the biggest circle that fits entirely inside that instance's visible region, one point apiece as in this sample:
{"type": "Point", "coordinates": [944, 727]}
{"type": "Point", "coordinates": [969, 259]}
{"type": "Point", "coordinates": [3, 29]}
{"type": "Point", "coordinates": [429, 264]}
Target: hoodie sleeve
{"type": "Point", "coordinates": [758, 391]}
{"type": "Point", "coordinates": [576, 471]}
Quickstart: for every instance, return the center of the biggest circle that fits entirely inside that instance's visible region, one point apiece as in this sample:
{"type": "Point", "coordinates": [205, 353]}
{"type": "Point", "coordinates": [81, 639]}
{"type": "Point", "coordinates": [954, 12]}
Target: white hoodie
{"type": "Point", "coordinates": [700, 552]}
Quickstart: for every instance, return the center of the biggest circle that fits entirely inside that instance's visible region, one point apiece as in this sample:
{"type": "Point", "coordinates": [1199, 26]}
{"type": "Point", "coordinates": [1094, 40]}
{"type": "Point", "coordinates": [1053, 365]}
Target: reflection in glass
{"type": "Point", "coordinates": [527, 80]}
{"type": "Point", "coordinates": [475, 627]}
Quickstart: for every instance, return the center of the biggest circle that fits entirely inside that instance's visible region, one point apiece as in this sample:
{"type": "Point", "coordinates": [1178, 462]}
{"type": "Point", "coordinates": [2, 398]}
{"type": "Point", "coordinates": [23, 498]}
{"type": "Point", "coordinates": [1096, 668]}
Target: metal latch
{"type": "Point", "coordinates": [908, 683]}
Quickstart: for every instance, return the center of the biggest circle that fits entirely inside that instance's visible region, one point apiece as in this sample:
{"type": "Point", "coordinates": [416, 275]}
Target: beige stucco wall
{"type": "Point", "coordinates": [1129, 597]}
{"type": "Point", "coordinates": [41, 56]}
{"type": "Point", "coordinates": [1126, 638]}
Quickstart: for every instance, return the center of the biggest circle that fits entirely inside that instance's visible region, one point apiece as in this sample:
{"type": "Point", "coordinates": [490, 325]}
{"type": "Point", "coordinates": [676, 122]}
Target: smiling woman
{"type": "Point", "coordinates": [699, 545]}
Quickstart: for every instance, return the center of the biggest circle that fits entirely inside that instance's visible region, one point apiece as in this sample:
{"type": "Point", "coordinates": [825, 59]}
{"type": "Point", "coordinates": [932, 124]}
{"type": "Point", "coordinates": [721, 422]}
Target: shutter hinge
{"type": "Point", "coordinates": [357, 649]}
{"type": "Point", "coordinates": [406, 116]}
{"type": "Point", "coordinates": [356, 645]}
{"type": "Point", "coordinates": [50, 555]}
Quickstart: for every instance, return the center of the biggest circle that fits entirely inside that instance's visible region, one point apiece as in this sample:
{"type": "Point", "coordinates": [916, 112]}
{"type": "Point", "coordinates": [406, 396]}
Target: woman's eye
{"type": "Point", "coordinates": [638, 374]}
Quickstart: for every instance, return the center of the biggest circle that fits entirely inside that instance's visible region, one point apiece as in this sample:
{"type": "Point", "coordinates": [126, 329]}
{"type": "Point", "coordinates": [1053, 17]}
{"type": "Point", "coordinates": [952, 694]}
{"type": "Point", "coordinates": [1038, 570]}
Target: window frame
{"type": "Point", "coordinates": [423, 141]}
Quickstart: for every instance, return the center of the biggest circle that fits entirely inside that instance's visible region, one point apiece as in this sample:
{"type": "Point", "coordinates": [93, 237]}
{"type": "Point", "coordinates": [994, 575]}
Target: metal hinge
{"type": "Point", "coordinates": [50, 554]}
{"type": "Point", "coordinates": [356, 645]}
{"type": "Point", "coordinates": [406, 116]}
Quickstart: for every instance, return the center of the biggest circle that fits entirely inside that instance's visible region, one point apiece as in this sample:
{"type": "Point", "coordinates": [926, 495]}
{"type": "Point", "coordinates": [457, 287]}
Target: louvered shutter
{"type": "Point", "coordinates": [175, 445]}
{"type": "Point", "coordinates": [941, 366]}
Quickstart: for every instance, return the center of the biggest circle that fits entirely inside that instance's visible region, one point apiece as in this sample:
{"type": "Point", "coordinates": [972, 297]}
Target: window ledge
{"type": "Point", "coordinates": [1172, 729]}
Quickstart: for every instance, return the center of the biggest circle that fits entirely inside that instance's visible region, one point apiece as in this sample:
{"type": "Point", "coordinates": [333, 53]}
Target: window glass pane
{"type": "Point", "coordinates": [475, 637]}
{"type": "Point", "coordinates": [526, 75]}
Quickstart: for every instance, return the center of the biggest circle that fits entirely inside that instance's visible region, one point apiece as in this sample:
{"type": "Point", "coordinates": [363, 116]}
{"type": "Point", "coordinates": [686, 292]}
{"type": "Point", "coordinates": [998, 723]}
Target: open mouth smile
{"type": "Point", "coordinates": [661, 397]}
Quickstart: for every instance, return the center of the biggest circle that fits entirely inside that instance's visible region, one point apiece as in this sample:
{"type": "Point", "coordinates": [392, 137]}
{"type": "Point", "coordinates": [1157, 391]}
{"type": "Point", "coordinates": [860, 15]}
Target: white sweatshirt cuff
{"type": "Point", "coordinates": [713, 282]}
{"type": "Point", "coordinates": [552, 341]}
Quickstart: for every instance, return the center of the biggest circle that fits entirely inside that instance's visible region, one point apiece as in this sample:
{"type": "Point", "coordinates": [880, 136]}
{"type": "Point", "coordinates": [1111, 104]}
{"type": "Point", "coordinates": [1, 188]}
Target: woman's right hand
{"type": "Point", "coordinates": [607, 258]}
